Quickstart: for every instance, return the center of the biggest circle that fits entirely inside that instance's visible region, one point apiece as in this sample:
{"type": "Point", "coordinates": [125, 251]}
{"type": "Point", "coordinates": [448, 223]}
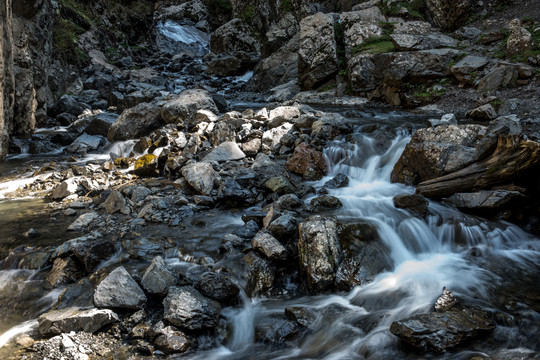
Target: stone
{"type": "Point", "coordinates": [440, 331]}
{"type": "Point", "coordinates": [288, 202]}
{"type": "Point", "coordinates": [269, 246]}
{"type": "Point", "coordinates": [319, 252]}
{"type": "Point", "coordinates": [261, 273]}
{"type": "Point", "coordinates": [66, 104]}
{"type": "Point", "coordinates": [119, 290]}
{"type": "Point", "coordinates": [201, 176]}
{"type": "Point", "coordinates": [83, 221]}
{"type": "Point", "coordinates": [283, 227]}
{"type": "Point", "coordinates": [186, 104]}
{"type": "Point", "coordinates": [484, 112]}
{"type": "Point", "coordinates": [158, 278]}
{"type": "Point", "coordinates": [64, 271]}
{"type": "Point", "coordinates": [64, 189]}
{"type": "Point", "coordinates": [415, 42]}
{"type": "Point", "coordinates": [445, 301]}
{"type": "Point", "coordinates": [339, 181]}
{"type": "Point", "coordinates": [115, 203]}
{"type": "Point", "coordinates": [484, 199]}
{"type": "Point", "coordinates": [66, 320]}
{"type": "Point", "coordinates": [301, 315]}
{"type": "Point", "coordinates": [317, 59]}
{"type": "Point", "coordinates": [100, 123]}
{"type": "Point", "coordinates": [448, 15]}
{"type": "Point", "coordinates": [218, 287]}
{"type": "Point", "coordinates": [446, 119]}
{"type": "Point", "coordinates": [466, 69]}
{"type": "Point", "coordinates": [307, 162]}
{"type": "Point", "coordinates": [226, 151]}
{"type": "Point", "coordinates": [223, 131]}
{"type": "Point", "coordinates": [171, 341]}
{"type": "Point", "coordinates": [271, 138]}
{"type": "Point", "coordinates": [519, 40]}
{"type": "Point", "coordinates": [186, 308]}
{"type": "Point", "coordinates": [326, 201]}
{"type": "Point", "coordinates": [140, 193]}
{"type": "Point", "coordinates": [85, 143]}
{"type": "Point", "coordinates": [500, 77]}
{"type": "Point", "coordinates": [280, 185]}
{"type": "Point", "coordinates": [235, 35]}
{"type": "Point", "coordinates": [146, 166]}
{"type": "Point", "coordinates": [414, 203]}
{"type": "Point", "coordinates": [136, 122]}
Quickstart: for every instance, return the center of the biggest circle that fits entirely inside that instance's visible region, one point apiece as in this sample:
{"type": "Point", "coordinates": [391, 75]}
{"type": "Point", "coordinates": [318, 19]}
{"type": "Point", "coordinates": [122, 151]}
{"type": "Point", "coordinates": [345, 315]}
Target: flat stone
{"type": "Point", "coordinates": [73, 319]}
{"type": "Point", "coordinates": [226, 151]}
{"type": "Point", "coordinates": [119, 290]}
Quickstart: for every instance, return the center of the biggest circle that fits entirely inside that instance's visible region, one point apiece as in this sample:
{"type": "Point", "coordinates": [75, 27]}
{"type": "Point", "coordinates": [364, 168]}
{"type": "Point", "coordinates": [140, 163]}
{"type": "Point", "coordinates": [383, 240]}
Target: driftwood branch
{"type": "Point", "coordinates": [513, 158]}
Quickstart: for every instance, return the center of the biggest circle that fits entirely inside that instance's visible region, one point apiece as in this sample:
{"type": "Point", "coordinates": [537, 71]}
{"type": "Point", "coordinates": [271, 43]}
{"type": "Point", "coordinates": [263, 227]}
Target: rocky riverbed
{"type": "Point", "coordinates": [294, 181]}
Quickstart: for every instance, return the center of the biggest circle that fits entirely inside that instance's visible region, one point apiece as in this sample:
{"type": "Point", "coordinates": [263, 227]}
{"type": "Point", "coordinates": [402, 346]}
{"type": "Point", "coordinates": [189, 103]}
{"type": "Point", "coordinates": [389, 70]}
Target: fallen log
{"type": "Point", "coordinates": [513, 158]}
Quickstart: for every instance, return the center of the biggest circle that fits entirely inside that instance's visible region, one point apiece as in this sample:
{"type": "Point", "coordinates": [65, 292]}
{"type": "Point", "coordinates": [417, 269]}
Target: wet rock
{"type": "Point", "coordinates": [317, 59]}
{"type": "Point", "coordinates": [484, 112]}
{"type": "Point", "coordinates": [83, 221]}
{"type": "Point", "coordinates": [201, 176]}
{"type": "Point", "coordinates": [446, 119]}
{"type": "Point", "coordinates": [301, 315]}
{"type": "Point", "coordinates": [85, 143]}
{"type": "Point", "coordinates": [146, 166]}
{"type": "Point", "coordinates": [31, 233]}
{"type": "Point", "coordinates": [288, 202]}
{"type": "Point", "coordinates": [414, 203]}
{"type": "Point", "coordinates": [66, 104]}
{"type": "Point", "coordinates": [307, 162]}
{"type": "Point", "coordinates": [233, 194]}
{"type": "Point", "coordinates": [218, 287]}
{"type": "Point", "coordinates": [275, 329]}
{"type": "Point", "coordinates": [136, 122]}
{"type": "Point", "coordinates": [115, 203]}
{"type": "Point", "coordinates": [484, 199]}
{"type": "Point", "coordinates": [171, 341]}
{"type": "Point", "coordinates": [441, 331]}
{"type": "Point", "coordinates": [186, 308]}
{"type": "Point", "coordinates": [186, 104]}
{"type": "Point", "coordinates": [261, 274]}
{"type": "Point", "coordinates": [203, 200]}
{"type": "Point", "coordinates": [226, 151]}
{"type": "Point", "coordinates": [158, 278]}
{"type": "Point", "coordinates": [283, 227]}
{"type": "Point", "coordinates": [364, 255]}
{"type": "Point", "coordinates": [92, 254]}
{"type": "Point", "coordinates": [269, 246]}
{"type": "Point", "coordinates": [64, 189]}
{"type": "Point", "coordinates": [445, 301]}
{"type": "Point", "coordinates": [64, 271]}
{"type": "Point", "coordinates": [338, 181]}
{"type": "Point", "coordinates": [319, 252]}
{"type": "Point", "coordinates": [73, 319]}
{"type": "Point", "coordinates": [247, 231]}
{"type": "Point", "coordinates": [326, 201]}
{"type": "Point", "coordinates": [119, 290]}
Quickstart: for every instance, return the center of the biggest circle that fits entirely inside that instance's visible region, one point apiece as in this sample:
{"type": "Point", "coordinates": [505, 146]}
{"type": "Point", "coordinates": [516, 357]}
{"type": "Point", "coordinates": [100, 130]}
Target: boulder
{"type": "Point", "coordinates": [326, 201]}
{"type": "Point", "coordinates": [484, 199]}
{"type": "Point", "coordinates": [317, 57]}
{"type": "Point", "coordinates": [414, 42]}
{"type": "Point", "coordinates": [64, 271]}
{"type": "Point", "coordinates": [280, 185]}
{"type": "Point", "coordinates": [56, 322]}
{"type": "Point", "coordinates": [186, 308]}
{"type": "Point", "coordinates": [119, 290]}
{"type": "Point", "coordinates": [201, 176]}
{"type": "Point", "coordinates": [307, 162]}
{"type": "Point", "coordinates": [64, 189]}
{"type": "Point", "coordinates": [223, 131]}
{"type": "Point", "coordinates": [146, 166]}
{"type": "Point", "coordinates": [319, 252]}
{"type": "Point", "coordinates": [502, 76]}
{"type": "Point", "coordinates": [83, 221]}
{"type": "Point", "coordinates": [115, 203]}
{"type": "Point", "coordinates": [186, 104]}
{"type": "Point", "coordinates": [446, 119]}
{"type": "Point", "coordinates": [226, 151]}
{"type": "Point", "coordinates": [448, 15]}
{"type": "Point", "coordinates": [434, 152]}
{"type": "Point", "coordinates": [232, 64]}
{"type": "Point", "coordinates": [284, 226]}
{"type": "Point", "coordinates": [66, 104]}
{"type": "Point", "coordinates": [260, 274]}
{"type": "Point", "coordinates": [136, 122]}
{"type": "Point", "coordinates": [440, 331]}
{"type": "Point", "coordinates": [484, 112]}
{"type": "Point", "coordinates": [171, 341]}
{"type": "Point", "coordinates": [338, 181]}
{"type": "Point", "coordinates": [100, 123]}
{"type": "Point", "coordinates": [358, 26]}
{"type": "Point", "coordinates": [414, 203]}
{"type": "Point", "coordinates": [467, 68]}
{"type": "Point", "coordinates": [519, 40]}
{"type": "Point", "coordinates": [218, 287]}
{"type": "Point", "coordinates": [85, 143]}
{"type": "Point", "coordinates": [158, 278]}
{"type": "Point", "coordinates": [235, 35]}
{"type": "Point", "coordinates": [271, 138]}
{"type": "Point", "coordinates": [269, 246]}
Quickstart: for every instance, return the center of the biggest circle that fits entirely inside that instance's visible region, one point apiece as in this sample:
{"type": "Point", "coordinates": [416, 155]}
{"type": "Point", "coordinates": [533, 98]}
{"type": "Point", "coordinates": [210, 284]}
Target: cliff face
{"type": "Point", "coordinates": [29, 77]}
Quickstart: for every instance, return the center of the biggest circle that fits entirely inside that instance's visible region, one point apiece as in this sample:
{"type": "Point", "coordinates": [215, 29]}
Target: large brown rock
{"type": "Point", "coordinates": [136, 122]}
{"type": "Point", "coordinates": [317, 58]}
{"type": "Point", "coordinates": [307, 162]}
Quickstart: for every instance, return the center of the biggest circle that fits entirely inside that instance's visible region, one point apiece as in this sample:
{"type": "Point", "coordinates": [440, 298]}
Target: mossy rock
{"type": "Point", "coordinates": [146, 165]}
{"type": "Point", "coordinates": [123, 162]}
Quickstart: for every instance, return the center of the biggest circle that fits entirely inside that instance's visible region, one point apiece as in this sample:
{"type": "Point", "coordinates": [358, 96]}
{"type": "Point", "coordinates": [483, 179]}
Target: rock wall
{"type": "Point", "coordinates": [28, 83]}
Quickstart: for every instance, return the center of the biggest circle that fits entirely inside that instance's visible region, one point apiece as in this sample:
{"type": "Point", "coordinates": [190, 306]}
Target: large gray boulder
{"type": "Point", "coordinates": [235, 35]}
{"type": "Point", "coordinates": [186, 308]}
{"type": "Point", "coordinates": [115, 203]}
{"type": "Point", "coordinates": [484, 199]}
{"type": "Point", "coordinates": [359, 26]}
{"type": "Point", "coordinates": [502, 76]}
{"type": "Point", "coordinates": [319, 252]}
{"type": "Point", "coordinates": [136, 122]}
{"type": "Point", "coordinates": [74, 319]}
{"type": "Point", "coordinates": [317, 58]}
{"type": "Point", "coordinates": [119, 290]}
{"type": "Point", "coordinates": [465, 69]}
{"type": "Point", "coordinates": [448, 15]}
{"type": "Point", "coordinates": [186, 104]}
{"type": "Point", "coordinates": [226, 151]}
{"type": "Point", "coordinates": [201, 176]}
{"type": "Point", "coordinates": [158, 277]}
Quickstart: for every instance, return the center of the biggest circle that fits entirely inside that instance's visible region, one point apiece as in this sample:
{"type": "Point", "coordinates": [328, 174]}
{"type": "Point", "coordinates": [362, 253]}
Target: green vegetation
{"type": "Point", "coordinates": [65, 36]}
{"type": "Point", "coordinates": [413, 8]}
{"type": "Point", "coordinates": [425, 93]}
{"type": "Point", "coordinates": [112, 54]}
{"type": "Point", "coordinates": [374, 45]}
{"type": "Point", "coordinates": [286, 6]}
{"type": "Point", "coordinates": [497, 103]}
{"type": "Point", "coordinates": [327, 87]}
{"type": "Point", "coordinates": [248, 13]}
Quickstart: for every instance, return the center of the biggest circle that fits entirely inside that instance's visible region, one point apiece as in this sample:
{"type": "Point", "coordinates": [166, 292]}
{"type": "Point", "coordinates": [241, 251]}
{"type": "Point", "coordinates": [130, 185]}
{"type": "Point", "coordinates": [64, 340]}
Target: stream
{"type": "Point", "coordinates": [481, 261]}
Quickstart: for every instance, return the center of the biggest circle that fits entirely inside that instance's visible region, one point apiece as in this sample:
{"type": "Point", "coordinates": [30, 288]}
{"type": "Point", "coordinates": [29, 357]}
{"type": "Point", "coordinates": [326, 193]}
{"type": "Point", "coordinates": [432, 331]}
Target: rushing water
{"type": "Point", "coordinates": [427, 254]}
